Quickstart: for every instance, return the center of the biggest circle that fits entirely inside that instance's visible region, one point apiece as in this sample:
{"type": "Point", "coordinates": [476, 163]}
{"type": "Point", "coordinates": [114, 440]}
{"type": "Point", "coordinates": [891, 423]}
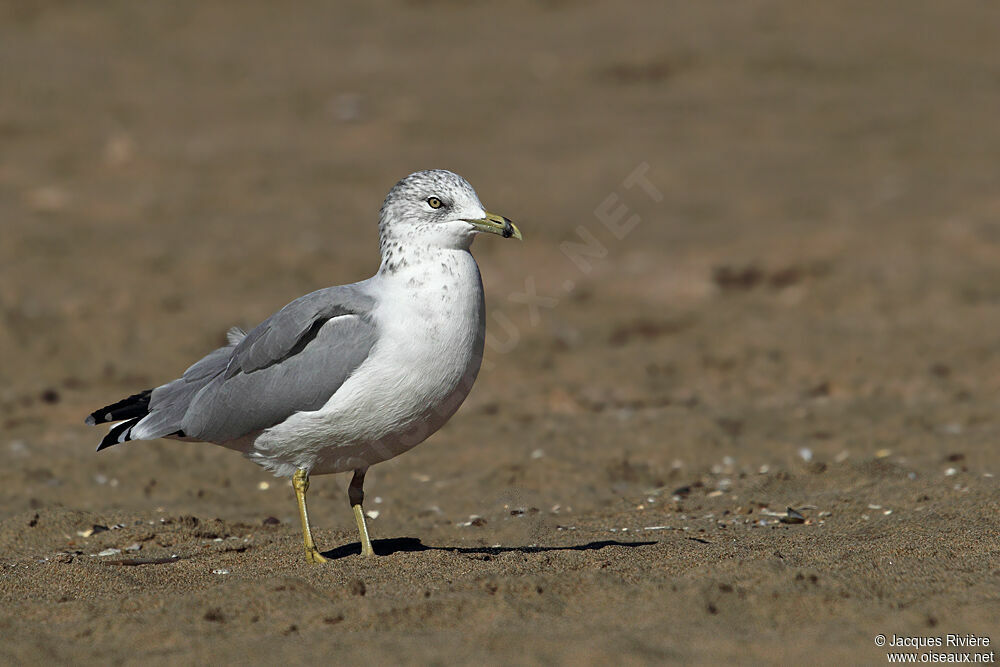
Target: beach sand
{"type": "Point", "coordinates": [761, 271]}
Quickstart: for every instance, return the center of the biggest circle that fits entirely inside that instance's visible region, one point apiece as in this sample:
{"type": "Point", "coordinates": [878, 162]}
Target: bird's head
{"type": "Point", "coordinates": [438, 208]}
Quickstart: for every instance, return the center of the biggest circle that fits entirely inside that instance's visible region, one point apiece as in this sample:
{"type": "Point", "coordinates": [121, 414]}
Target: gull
{"type": "Point", "coordinates": [348, 376]}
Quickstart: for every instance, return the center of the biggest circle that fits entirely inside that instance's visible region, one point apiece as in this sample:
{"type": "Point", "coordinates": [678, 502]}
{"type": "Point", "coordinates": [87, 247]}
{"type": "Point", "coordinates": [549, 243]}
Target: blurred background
{"type": "Point", "coordinates": [819, 211]}
{"type": "Point", "coordinates": [758, 235]}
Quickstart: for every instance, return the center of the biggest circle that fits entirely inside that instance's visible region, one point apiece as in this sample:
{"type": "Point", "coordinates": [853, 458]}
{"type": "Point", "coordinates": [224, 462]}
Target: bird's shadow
{"type": "Point", "coordinates": [396, 545]}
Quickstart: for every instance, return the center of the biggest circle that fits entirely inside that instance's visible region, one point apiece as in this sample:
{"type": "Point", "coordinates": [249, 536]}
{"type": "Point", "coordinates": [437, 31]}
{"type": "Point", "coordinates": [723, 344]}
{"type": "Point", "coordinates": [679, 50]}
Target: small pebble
{"type": "Point", "coordinates": [93, 530]}
{"type": "Point", "coordinates": [220, 570]}
{"type": "Point", "coordinates": [792, 516]}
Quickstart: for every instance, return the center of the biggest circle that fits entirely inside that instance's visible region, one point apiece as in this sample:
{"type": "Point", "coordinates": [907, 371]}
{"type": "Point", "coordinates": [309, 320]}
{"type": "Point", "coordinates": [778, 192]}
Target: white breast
{"type": "Point", "coordinates": [430, 321]}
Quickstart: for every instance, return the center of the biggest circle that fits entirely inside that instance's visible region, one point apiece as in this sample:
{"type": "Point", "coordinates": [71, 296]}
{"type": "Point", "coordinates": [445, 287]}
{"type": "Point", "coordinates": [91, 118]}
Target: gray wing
{"type": "Point", "coordinates": [293, 361]}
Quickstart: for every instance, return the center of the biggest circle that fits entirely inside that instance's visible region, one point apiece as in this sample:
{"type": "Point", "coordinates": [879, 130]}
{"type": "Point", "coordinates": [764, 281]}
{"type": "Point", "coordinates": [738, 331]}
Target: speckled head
{"type": "Point", "coordinates": [436, 208]}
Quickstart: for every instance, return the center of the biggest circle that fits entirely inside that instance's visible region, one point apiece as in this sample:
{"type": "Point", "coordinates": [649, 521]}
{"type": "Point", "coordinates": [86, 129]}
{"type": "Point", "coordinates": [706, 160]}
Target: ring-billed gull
{"type": "Point", "coordinates": [348, 376]}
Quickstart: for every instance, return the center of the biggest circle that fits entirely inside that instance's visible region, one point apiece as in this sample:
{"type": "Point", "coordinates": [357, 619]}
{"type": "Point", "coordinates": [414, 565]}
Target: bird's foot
{"type": "Point", "coordinates": [314, 556]}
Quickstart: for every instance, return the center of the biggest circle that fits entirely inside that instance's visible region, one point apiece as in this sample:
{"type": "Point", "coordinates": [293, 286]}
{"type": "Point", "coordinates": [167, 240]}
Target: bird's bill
{"type": "Point", "coordinates": [496, 224]}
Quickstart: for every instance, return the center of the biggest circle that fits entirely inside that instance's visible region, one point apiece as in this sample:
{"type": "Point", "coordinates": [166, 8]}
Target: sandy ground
{"type": "Point", "coordinates": [798, 306]}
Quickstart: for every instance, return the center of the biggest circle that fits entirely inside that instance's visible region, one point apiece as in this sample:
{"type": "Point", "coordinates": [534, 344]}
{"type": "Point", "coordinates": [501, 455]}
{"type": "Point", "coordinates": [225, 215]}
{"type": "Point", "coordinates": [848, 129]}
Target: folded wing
{"type": "Point", "coordinates": [293, 361]}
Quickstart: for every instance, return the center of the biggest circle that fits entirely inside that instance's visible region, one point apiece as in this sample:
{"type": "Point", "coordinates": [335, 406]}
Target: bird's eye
{"type": "Point", "coordinates": [434, 202]}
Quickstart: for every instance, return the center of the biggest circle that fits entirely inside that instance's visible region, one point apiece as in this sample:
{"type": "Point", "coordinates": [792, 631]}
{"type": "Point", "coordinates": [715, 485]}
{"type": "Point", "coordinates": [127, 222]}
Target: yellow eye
{"type": "Point", "coordinates": [434, 202]}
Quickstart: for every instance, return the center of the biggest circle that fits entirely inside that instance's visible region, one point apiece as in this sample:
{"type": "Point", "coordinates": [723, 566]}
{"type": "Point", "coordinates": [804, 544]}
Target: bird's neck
{"type": "Point", "coordinates": [413, 267]}
{"type": "Point", "coordinates": [416, 255]}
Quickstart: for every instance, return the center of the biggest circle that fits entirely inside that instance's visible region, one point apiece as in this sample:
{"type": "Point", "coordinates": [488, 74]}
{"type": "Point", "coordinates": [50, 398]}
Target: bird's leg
{"type": "Point", "coordinates": [300, 482]}
{"type": "Point", "coordinates": [356, 494]}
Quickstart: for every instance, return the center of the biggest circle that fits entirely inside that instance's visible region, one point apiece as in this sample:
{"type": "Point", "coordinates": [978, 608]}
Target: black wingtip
{"type": "Point", "coordinates": [118, 434]}
{"type": "Point", "coordinates": [136, 405]}
{"type": "Point", "coordinates": [90, 420]}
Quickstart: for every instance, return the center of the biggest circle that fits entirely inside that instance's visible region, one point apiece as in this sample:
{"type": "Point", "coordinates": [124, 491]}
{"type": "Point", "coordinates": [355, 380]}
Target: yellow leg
{"type": "Point", "coordinates": [366, 543]}
{"type": "Point", "coordinates": [356, 494]}
{"type": "Point", "coordinates": [300, 482]}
